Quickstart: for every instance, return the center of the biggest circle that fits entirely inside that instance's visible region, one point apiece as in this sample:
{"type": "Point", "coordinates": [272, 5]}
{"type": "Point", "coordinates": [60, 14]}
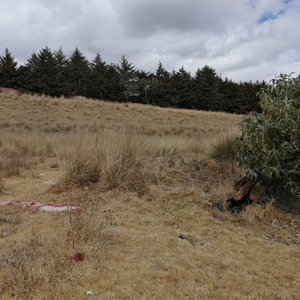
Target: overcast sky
{"type": "Point", "coordinates": [241, 39]}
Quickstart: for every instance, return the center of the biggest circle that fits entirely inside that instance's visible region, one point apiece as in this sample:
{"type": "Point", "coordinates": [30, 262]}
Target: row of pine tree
{"type": "Point", "coordinates": [55, 74]}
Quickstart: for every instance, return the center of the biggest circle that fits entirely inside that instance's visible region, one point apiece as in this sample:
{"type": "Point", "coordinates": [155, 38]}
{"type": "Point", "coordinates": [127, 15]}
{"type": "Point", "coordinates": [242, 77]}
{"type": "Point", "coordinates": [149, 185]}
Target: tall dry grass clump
{"type": "Point", "coordinates": [80, 158]}
{"type": "Point", "coordinates": [223, 148]}
{"type": "Point", "coordinates": [123, 163]}
{"type": "Point", "coordinates": [115, 159]}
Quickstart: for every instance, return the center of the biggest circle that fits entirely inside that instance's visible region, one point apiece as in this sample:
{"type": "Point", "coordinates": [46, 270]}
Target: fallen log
{"type": "Point", "coordinates": [238, 201]}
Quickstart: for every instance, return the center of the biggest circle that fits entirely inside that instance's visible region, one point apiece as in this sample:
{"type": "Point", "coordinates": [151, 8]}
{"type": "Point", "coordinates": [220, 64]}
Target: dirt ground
{"type": "Point", "coordinates": [168, 248]}
{"type": "Point", "coordinates": [32, 185]}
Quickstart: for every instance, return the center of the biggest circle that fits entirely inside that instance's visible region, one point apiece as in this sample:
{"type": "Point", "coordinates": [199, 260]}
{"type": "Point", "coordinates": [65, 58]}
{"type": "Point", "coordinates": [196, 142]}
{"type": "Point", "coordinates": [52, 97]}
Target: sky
{"type": "Point", "coordinates": [241, 39]}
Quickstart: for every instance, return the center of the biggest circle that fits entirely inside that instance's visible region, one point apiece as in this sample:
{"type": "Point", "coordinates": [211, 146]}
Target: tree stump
{"type": "Point", "coordinates": [238, 201]}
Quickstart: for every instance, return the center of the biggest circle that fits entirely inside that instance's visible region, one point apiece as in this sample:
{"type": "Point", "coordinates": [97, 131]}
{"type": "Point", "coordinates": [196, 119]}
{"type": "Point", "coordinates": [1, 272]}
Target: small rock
{"type": "Point", "coordinates": [5, 233]}
{"type": "Point", "coordinates": [48, 182]}
{"type": "Point", "coordinates": [90, 292]}
{"type": "Point", "coordinates": [117, 232]}
{"type": "Point", "coordinates": [205, 191]}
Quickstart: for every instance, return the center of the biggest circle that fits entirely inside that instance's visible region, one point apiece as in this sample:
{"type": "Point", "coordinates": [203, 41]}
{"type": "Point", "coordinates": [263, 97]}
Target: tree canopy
{"type": "Point", "coordinates": [55, 74]}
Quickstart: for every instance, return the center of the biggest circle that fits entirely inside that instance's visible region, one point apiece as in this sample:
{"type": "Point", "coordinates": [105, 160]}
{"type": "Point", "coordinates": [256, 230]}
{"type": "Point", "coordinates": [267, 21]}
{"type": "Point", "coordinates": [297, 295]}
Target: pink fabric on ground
{"type": "Point", "coordinates": [44, 207]}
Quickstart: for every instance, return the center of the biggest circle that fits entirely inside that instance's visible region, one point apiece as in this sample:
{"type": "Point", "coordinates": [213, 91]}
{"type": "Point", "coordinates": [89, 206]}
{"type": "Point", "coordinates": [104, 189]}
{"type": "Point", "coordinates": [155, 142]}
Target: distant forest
{"type": "Point", "coordinates": [55, 74]}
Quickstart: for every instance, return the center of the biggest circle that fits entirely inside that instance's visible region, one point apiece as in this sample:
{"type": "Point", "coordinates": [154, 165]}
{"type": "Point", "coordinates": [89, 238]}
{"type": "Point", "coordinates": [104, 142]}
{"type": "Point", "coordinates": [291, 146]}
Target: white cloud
{"type": "Point", "coordinates": [242, 40]}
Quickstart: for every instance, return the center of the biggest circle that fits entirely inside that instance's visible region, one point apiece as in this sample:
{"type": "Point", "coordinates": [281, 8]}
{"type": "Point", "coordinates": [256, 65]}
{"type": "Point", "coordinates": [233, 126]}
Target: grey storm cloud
{"type": "Point", "coordinates": [149, 17]}
{"type": "Point", "coordinates": [242, 40]}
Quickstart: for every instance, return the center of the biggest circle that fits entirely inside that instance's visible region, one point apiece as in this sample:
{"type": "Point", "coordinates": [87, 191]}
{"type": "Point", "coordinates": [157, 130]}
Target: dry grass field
{"type": "Point", "coordinates": [149, 228]}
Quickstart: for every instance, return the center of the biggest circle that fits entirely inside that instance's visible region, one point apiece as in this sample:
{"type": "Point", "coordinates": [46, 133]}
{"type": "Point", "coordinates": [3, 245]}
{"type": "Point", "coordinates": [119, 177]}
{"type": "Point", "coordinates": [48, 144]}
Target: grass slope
{"type": "Point", "coordinates": [149, 228]}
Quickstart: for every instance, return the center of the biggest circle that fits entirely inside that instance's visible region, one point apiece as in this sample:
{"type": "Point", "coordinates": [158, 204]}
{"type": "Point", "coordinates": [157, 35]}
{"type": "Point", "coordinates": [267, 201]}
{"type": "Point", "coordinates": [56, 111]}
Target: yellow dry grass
{"type": "Point", "coordinates": [161, 239]}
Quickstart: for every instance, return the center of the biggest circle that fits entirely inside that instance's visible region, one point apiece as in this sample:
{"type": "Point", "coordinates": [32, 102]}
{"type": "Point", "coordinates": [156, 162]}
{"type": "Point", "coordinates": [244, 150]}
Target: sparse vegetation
{"type": "Point", "coordinates": [11, 165]}
{"type": "Point", "coordinates": [149, 228]}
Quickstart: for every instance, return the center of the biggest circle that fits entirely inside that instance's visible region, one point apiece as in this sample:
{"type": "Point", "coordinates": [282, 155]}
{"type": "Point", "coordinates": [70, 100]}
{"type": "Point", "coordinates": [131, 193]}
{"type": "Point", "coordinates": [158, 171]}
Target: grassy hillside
{"type": "Point", "coordinates": [148, 185]}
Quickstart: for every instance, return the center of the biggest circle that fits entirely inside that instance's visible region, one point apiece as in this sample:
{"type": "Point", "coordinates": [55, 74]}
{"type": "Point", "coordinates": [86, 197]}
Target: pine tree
{"type": "Point", "coordinates": [23, 81]}
{"type": "Point", "coordinates": [206, 89]}
{"type": "Point", "coordinates": [98, 78]}
{"type": "Point", "coordinates": [52, 73]}
{"type": "Point", "coordinates": [113, 89]}
{"type": "Point", "coordinates": [128, 76]}
{"type": "Point", "coordinates": [42, 73]}
{"type": "Point", "coordinates": [78, 74]}
{"type": "Point", "coordinates": [144, 87]}
{"type": "Point", "coordinates": [233, 99]}
{"type": "Point", "coordinates": [162, 89]}
{"type": "Point", "coordinates": [8, 70]}
{"type": "Point", "coordinates": [61, 64]}
{"type": "Point", "coordinates": [183, 85]}
{"type": "Point", "coordinates": [250, 91]}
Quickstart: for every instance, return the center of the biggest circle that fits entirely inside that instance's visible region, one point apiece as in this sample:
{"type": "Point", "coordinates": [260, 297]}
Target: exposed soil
{"type": "Point", "coordinates": [29, 186]}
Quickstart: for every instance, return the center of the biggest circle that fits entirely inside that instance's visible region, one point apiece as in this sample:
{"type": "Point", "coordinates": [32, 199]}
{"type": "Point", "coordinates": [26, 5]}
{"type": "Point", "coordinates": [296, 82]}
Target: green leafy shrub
{"type": "Point", "coordinates": [271, 139]}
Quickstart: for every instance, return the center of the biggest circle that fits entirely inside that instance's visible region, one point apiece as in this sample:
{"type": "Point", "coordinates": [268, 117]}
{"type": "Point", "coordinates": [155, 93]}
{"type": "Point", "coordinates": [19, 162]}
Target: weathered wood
{"type": "Point", "coordinates": [241, 198]}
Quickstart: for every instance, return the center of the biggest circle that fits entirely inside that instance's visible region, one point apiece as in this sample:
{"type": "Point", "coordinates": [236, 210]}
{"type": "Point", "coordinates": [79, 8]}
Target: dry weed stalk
{"type": "Point", "coordinates": [84, 229]}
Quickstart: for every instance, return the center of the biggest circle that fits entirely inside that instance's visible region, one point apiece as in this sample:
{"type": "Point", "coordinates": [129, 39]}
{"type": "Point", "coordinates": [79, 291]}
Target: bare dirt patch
{"type": "Point", "coordinates": [29, 186]}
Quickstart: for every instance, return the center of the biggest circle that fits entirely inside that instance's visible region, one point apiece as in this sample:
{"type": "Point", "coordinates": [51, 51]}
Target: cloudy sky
{"type": "Point", "coordinates": [242, 39]}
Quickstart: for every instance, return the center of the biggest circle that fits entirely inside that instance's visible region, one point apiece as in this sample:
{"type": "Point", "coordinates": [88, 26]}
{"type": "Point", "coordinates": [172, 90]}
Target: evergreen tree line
{"type": "Point", "coordinates": [55, 74]}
